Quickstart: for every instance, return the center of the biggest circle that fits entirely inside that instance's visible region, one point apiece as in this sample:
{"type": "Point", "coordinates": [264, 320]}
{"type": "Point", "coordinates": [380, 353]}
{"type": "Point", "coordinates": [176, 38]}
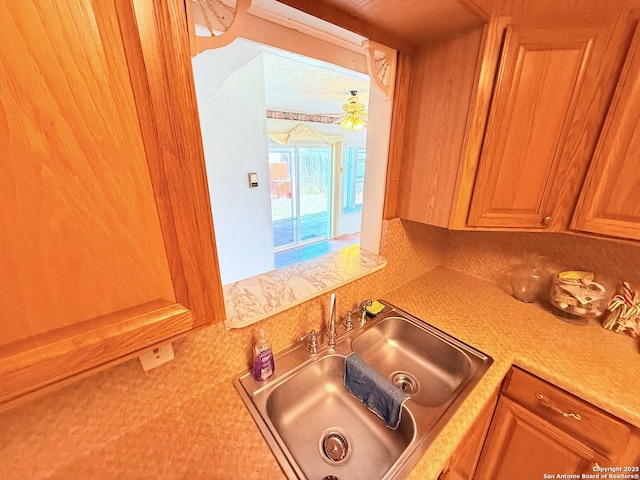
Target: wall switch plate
{"type": "Point", "coordinates": [157, 356]}
{"type": "Point", "coordinates": [253, 180]}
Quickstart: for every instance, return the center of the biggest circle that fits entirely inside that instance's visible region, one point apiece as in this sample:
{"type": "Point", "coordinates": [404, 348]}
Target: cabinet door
{"type": "Point", "coordinates": [522, 445]}
{"type": "Point", "coordinates": [105, 226]}
{"type": "Point", "coordinates": [609, 202]}
{"type": "Point", "coordinates": [463, 462]}
{"type": "Point", "coordinates": [521, 169]}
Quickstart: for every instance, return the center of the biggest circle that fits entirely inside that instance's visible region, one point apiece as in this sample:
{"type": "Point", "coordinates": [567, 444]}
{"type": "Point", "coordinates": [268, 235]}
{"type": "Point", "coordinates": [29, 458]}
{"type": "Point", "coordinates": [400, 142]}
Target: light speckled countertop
{"type": "Point", "coordinates": [588, 361]}
{"type": "Point", "coordinates": [597, 365]}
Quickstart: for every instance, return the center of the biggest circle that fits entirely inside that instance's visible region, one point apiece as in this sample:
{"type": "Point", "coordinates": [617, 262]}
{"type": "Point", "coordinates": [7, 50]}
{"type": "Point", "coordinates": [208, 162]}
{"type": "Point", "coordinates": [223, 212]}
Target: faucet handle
{"type": "Point", "coordinates": [312, 342]}
{"type": "Point", "coordinates": [365, 304]}
{"type": "Point", "coordinates": [363, 310]}
{"type": "Point", "coordinates": [348, 323]}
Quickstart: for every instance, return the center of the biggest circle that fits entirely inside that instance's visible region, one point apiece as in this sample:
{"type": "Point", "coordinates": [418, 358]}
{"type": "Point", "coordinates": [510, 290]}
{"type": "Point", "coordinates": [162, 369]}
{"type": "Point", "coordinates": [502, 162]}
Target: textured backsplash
{"type": "Point", "coordinates": [492, 255]}
{"type": "Point", "coordinates": [42, 437]}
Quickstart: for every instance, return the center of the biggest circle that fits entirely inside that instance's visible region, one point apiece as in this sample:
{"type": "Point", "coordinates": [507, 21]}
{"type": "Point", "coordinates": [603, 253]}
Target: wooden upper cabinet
{"type": "Point", "coordinates": [609, 203]}
{"type": "Point", "coordinates": [522, 168]}
{"type": "Point", "coordinates": [502, 126]}
{"type": "Point", "coordinates": [105, 226]}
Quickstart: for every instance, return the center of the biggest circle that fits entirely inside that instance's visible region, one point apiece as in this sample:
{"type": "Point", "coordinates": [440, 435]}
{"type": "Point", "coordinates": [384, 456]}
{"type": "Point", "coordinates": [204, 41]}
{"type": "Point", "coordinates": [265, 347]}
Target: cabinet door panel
{"type": "Point", "coordinates": [522, 445]}
{"type": "Point", "coordinates": [609, 200]}
{"type": "Point", "coordinates": [80, 230]}
{"type": "Point", "coordinates": [541, 73]}
{"type": "Point", "coordinates": [105, 226]}
{"type": "Point", "coordinates": [463, 462]}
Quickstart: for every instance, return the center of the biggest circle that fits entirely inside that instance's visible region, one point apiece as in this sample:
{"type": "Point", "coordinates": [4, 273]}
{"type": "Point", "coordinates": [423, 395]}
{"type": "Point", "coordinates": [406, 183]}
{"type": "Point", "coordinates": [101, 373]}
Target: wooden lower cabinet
{"type": "Point", "coordinates": [538, 429]}
{"type": "Point", "coordinates": [462, 464]}
{"type": "Point", "coordinates": [522, 445]}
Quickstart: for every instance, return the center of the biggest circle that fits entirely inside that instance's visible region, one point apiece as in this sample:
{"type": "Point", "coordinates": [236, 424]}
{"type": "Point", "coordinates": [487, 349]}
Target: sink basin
{"type": "Point", "coordinates": [328, 431]}
{"type": "Point", "coordinates": [417, 360]}
{"type": "Point", "coordinates": [318, 430]}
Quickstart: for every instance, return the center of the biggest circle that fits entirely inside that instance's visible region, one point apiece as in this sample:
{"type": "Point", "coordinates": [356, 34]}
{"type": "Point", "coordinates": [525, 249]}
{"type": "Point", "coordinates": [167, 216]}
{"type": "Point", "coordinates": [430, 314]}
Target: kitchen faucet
{"type": "Point", "coordinates": [331, 328]}
{"type": "Point", "coordinates": [313, 340]}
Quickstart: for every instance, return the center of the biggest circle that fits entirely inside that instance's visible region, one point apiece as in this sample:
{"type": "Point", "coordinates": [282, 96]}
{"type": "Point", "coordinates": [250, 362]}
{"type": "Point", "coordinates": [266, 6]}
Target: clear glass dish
{"type": "Point", "coordinates": [582, 298]}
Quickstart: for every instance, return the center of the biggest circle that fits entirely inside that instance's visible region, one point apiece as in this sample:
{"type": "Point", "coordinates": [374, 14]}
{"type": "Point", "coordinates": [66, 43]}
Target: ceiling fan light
{"type": "Point", "coordinates": [347, 123]}
{"type": "Point", "coordinates": [353, 109]}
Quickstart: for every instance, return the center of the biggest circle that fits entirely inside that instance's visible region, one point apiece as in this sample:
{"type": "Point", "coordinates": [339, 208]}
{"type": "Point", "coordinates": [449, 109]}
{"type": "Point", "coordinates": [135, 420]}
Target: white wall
{"type": "Point", "coordinates": [212, 67]}
{"type": "Point", "coordinates": [234, 135]}
{"type": "Point", "coordinates": [375, 174]}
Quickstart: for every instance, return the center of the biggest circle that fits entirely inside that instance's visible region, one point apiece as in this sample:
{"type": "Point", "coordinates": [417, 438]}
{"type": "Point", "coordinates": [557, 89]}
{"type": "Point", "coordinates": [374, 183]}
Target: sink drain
{"type": "Point", "coordinates": [405, 382]}
{"type": "Point", "coordinates": [334, 446]}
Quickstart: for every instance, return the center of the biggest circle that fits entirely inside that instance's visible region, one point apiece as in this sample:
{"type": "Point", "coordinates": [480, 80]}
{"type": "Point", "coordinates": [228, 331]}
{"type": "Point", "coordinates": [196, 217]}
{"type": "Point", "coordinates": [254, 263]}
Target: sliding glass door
{"type": "Point", "coordinates": [300, 194]}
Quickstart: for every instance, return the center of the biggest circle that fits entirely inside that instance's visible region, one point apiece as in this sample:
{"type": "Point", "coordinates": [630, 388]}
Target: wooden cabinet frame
{"type": "Point", "coordinates": [450, 107]}
{"type": "Point", "coordinates": [156, 46]}
{"type": "Point", "coordinates": [601, 208]}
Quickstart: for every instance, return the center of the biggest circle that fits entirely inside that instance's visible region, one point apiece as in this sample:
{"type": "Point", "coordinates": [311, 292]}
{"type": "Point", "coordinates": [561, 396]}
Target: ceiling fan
{"type": "Point", "coordinates": [352, 117]}
{"type": "Point", "coordinates": [355, 113]}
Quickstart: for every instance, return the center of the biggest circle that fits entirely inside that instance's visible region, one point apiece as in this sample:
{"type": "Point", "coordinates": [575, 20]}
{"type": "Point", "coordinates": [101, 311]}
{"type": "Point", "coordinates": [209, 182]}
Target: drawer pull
{"type": "Point", "coordinates": [575, 416]}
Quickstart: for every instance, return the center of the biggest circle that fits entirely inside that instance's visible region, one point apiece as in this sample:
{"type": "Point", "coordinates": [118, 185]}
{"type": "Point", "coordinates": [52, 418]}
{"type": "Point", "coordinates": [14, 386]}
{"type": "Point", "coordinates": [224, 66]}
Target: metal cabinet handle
{"type": "Point", "coordinates": [544, 402]}
{"type": "Point", "coordinates": [546, 221]}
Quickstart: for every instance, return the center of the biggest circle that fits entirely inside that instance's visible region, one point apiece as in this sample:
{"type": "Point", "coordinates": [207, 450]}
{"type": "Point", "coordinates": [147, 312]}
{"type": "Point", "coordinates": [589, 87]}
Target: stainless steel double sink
{"type": "Point", "coordinates": [318, 430]}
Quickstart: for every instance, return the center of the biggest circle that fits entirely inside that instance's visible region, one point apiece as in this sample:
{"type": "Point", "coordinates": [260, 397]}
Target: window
{"type": "Point", "coordinates": [354, 161]}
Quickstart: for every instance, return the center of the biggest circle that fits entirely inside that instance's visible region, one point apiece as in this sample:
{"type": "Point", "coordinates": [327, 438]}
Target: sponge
{"type": "Point", "coordinates": [375, 308]}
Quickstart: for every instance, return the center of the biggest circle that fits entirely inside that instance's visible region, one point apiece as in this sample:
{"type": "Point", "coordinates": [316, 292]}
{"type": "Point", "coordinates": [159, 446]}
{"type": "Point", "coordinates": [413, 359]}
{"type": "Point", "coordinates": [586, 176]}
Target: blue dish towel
{"type": "Point", "coordinates": [376, 392]}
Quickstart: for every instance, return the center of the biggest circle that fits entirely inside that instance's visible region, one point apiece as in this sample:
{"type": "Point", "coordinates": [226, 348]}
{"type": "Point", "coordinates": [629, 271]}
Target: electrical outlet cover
{"type": "Point", "coordinates": [157, 356]}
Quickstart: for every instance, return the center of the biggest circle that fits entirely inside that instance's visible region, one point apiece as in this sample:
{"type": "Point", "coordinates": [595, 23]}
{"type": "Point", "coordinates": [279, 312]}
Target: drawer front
{"type": "Point", "coordinates": [596, 428]}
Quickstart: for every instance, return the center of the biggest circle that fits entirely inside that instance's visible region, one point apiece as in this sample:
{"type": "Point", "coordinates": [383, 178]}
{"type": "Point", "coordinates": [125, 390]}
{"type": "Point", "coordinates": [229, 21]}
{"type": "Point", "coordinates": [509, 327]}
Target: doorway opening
{"type": "Point", "coordinates": [315, 190]}
{"type": "Point", "coordinates": [252, 98]}
{"type": "Point", "coordinates": [277, 115]}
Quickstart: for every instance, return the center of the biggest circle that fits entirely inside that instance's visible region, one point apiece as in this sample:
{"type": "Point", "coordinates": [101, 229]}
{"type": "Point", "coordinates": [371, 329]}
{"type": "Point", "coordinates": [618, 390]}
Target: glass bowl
{"type": "Point", "coordinates": [575, 293]}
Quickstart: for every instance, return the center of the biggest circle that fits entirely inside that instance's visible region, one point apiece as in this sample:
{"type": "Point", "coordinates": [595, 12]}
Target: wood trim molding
{"type": "Point", "coordinates": [493, 35]}
{"type": "Point", "coordinates": [200, 12]}
{"type": "Point", "coordinates": [397, 134]}
{"type": "Point", "coordinates": [476, 8]}
{"type": "Point", "coordinates": [381, 64]}
{"type": "Point", "coordinates": [337, 17]}
{"type": "Point", "coordinates": [157, 49]}
{"type": "Point", "coordinates": [31, 364]}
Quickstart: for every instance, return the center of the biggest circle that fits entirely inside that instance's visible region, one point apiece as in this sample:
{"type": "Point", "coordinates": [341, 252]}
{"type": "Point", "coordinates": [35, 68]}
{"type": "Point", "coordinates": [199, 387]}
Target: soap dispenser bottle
{"type": "Point", "coordinates": [263, 363]}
